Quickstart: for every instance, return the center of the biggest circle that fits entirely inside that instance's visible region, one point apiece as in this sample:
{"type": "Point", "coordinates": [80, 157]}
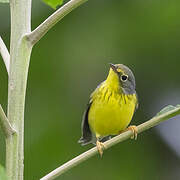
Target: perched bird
{"type": "Point", "coordinates": [110, 108]}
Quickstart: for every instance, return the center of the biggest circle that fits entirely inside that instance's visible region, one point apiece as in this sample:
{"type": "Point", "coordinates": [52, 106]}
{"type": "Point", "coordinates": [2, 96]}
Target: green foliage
{"type": "Point", "coordinates": [53, 3]}
{"type": "Point", "coordinates": [2, 173]}
{"type": "Point", "coordinates": [4, 1]}
{"type": "Point", "coordinates": [168, 108]}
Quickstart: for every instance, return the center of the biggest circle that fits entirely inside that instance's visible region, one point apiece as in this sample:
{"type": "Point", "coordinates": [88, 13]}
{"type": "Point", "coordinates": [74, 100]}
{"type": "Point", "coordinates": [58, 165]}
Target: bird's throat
{"type": "Point", "coordinates": [112, 81]}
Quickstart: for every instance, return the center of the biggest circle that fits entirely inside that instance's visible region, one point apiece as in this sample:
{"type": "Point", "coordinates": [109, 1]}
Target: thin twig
{"type": "Point", "coordinates": [44, 27]}
{"type": "Point", "coordinates": [5, 54]}
{"type": "Point", "coordinates": [5, 124]}
{"type": "Point", "coordinates": [122, 137]}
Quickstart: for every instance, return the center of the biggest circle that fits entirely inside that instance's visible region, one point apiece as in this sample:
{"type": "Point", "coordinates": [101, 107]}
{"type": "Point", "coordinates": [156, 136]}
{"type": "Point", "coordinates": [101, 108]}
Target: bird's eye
{"type": "Point", "coordinates": [124, 78]}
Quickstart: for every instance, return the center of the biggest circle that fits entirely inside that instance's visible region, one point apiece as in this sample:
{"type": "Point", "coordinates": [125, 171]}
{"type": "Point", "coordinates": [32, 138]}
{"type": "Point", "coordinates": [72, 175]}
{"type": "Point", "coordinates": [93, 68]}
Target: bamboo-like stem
{"type": "Point", "coordinates": [20, 50]}
{"type": "Point", "coordinates": [5, 124]}
{"type": "Point", "coordinates": [122, 137]}
{"type": "Point", "coordinates": [43, 28]}
{"type": "Point", "coordinates": [5, 54]}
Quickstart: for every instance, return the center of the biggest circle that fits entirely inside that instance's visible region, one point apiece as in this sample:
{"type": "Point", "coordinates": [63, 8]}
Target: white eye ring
{"type": "Point", "coordinates": [124, 77]}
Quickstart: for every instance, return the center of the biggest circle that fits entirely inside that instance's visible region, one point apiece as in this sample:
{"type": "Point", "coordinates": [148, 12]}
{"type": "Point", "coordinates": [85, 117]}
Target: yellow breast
{"type": "Point", "coordinates": [110, 112]}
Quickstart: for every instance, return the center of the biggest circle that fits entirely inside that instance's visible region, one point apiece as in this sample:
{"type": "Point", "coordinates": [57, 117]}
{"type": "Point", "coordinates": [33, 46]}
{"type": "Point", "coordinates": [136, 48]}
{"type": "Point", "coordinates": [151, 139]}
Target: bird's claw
{"type": "Point", "coordinates": [134, 129]}
{"type": "Point", "coordinates": [100, 146]}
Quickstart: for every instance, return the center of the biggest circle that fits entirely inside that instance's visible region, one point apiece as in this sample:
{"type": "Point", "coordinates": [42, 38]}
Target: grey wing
{"type": "Point", "coordinates": [87, 136]}
{"type": "Point", "coordinates": [86, 132]}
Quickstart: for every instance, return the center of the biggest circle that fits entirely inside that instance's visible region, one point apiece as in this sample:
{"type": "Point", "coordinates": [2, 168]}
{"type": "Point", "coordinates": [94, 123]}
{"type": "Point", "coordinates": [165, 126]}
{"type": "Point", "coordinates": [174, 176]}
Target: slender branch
{"type": "Point", "coordinates": [5, 54]}
{"type": "Point", "coordinates": [43, 28]}
{"type": "Point", "coordinates": [122, 137]}
{"type": "Point", "coordinates": [5, 124]}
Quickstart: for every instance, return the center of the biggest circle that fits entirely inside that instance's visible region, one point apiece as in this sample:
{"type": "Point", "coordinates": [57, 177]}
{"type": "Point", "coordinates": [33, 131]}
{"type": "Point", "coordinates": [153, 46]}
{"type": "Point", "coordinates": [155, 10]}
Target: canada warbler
{"type": "Point", "coordinates": [110, 108]}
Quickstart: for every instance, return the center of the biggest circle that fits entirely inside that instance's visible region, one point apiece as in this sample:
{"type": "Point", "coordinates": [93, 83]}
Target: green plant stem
{"type": "Point", "coordinates": [5, 54]}
{"type": "Point", "coordinates": [5, 124]}
{"type": "Point", "coordinates": [20, 50]}
{"type": "Point", "coordinates": [122, 137]}
{"type": "Point", "coordinates": [43, 28]}
{"type": "Point", "coordinates": [22, 41]}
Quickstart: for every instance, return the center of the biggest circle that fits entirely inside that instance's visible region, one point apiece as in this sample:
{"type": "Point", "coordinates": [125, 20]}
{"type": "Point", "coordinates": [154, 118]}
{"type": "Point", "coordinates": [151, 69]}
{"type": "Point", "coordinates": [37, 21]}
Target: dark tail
{"type": "Point", "coordinates": [84, 141]}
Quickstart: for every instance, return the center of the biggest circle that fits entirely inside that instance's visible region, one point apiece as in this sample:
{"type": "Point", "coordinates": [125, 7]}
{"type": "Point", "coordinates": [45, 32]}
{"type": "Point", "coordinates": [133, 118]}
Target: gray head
{"type": "Point", "coordinates": [126, 78]}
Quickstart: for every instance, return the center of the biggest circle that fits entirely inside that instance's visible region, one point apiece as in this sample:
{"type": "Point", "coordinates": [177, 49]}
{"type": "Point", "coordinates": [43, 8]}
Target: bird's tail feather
{"type": "Point", "coordinates": [83, 141]}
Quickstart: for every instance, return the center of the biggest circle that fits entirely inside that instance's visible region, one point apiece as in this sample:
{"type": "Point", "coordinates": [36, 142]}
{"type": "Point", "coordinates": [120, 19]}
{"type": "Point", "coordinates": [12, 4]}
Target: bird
{"type": "Point", "coordinates": [110, 108]}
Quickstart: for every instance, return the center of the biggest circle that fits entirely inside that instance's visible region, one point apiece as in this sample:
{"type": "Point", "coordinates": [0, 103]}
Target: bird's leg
{"type": "Point", "coordinates": [134, 129]}
{"type": "Point", "coordinates": [100, 146]}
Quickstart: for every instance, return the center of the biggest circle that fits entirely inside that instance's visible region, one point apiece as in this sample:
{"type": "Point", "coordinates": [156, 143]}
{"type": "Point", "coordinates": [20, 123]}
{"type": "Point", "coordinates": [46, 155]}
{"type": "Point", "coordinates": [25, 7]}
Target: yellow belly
{"type": "Point", "coordinates": [111, 114]}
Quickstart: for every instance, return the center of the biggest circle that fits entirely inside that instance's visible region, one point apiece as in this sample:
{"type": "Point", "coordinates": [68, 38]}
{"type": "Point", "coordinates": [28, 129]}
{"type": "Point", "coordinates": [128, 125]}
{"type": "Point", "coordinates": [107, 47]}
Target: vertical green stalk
{"type": "Point", "coordinates": [20, 51]}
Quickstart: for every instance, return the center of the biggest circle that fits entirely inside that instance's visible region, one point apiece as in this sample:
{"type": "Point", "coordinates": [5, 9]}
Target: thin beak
{"type": "Point", "coordinates": [113, 67]}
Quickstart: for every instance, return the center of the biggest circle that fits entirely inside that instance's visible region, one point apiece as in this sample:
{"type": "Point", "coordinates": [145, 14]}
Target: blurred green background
{"type": "Point", "coordinates": [72, 59]}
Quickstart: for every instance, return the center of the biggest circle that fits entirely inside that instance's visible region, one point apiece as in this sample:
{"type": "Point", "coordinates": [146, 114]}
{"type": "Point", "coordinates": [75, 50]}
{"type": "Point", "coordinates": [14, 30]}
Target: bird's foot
{"type": "Point", "coordinates": [134, 129]}
{"type": "Point", "coordinates": [100, 146]}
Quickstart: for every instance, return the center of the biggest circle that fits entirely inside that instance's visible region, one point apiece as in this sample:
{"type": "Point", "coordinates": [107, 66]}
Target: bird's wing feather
{"type": "Point", "coordinates": [86, 132]}
{"type": "Point", "coordinates": [87, 136]}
